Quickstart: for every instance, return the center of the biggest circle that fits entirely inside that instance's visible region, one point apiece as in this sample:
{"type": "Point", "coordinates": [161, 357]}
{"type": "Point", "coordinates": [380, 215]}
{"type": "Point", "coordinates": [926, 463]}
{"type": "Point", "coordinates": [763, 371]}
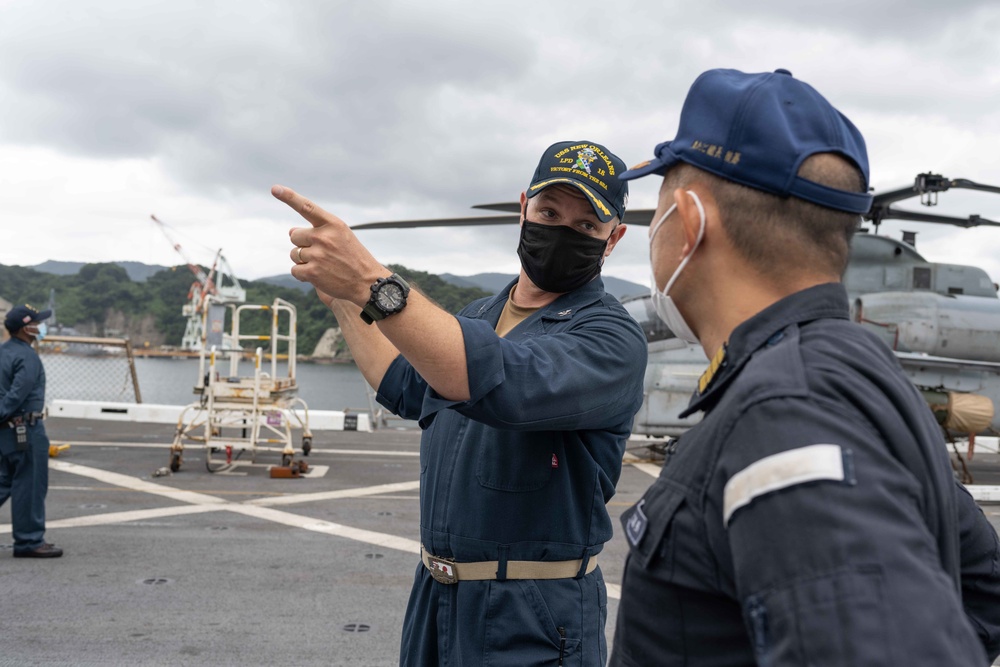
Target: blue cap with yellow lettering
{"type": "Point", "coordinates": [589, 167]}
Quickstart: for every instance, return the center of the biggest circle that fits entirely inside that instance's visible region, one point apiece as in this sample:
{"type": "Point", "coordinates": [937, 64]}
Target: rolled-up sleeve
{"type": "Point", "coordinates": [585, 375]}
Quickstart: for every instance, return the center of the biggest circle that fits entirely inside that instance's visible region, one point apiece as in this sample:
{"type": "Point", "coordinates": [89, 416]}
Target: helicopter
{"type": "Point", "coordinates": [941, 320]}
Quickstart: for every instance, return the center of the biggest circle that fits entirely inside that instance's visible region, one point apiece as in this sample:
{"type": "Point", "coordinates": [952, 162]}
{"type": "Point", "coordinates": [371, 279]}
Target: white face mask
{"type": "Point", "coordinates": [665, 307]}
{"type": "Point", "coordinates": [39, 330]}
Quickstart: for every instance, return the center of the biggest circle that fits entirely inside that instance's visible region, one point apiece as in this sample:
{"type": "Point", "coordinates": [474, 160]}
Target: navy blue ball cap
{"type": "Point", "coordinates": [757, 129]}
{"type": "Point", "coordinates": [20, 316]}
{"type": "Point", "coordinates": [589, 167]}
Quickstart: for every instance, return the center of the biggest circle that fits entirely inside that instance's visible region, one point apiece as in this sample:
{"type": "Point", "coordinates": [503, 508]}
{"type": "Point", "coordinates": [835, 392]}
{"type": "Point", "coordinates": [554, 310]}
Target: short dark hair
{"type": "Point", "coordinates": [780, 235]}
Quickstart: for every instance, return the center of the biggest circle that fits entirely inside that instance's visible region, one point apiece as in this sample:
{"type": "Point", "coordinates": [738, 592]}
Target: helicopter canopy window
{"type": "Point", "coordinates": [641, 309]}
{"type": "Point", "coordinates": [921, 277]}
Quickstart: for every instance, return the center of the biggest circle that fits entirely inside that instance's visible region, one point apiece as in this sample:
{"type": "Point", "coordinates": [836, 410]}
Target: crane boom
{"type": "Point", "coordinates": [195, 269]}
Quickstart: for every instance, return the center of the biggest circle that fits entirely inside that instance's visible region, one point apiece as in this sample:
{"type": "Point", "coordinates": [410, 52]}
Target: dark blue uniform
{"type": "Point", "coordinates": [811, 518]}
{"type": "Point", "coordinates": [521, 471]}
{"type": "Point", "coordinates": [24, 467]}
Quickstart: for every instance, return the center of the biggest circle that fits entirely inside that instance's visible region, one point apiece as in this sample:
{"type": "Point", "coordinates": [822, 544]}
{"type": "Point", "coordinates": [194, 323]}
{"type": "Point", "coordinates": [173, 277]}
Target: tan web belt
{"type": "Point", "coordinates": [449, 572]}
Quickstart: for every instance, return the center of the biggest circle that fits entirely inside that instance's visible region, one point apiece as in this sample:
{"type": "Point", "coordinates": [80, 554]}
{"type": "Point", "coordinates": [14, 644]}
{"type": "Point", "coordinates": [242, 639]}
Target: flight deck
{"type": "Point", "coordinates": [236, 567]}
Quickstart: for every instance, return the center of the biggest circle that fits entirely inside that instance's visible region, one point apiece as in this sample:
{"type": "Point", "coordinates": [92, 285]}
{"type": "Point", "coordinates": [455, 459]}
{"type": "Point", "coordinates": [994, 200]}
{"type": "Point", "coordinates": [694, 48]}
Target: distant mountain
{"type": "Point", "coordinates": [286, 280]}
{"type": "Point", "coordinates": [494, 282]}
{"type": "Point", "coordinates": [137, 271]}
{"type": "Point", "coordinates": [491, 282]}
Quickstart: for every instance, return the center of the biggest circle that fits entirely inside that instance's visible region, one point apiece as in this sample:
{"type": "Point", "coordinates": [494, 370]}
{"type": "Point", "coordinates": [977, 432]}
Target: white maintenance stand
{"type": "Point", "coordinates": [237, 414]}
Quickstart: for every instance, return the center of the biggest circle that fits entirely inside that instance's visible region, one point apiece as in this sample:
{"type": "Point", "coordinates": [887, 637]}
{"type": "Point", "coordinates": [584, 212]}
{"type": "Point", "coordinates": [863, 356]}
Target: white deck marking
{"type": "Point", "coordinates": [202, 503]}
{"type": "Point", "coordinates": [133, 515]}
{"type": "Point", "coordinates": [365, 452]}
{"type": "Point", "coordinates": [648, 468]}
{"type": "Point", "coordinates": [199, 448]}
{"type": "Point", "coordinates": [331, 495]}
{"type": "Point", "coordinates": [230, 469]}
{"type": "Point", "coordinates": [309, 523]}
{"type": "Point", "coordinates": [118, 479]}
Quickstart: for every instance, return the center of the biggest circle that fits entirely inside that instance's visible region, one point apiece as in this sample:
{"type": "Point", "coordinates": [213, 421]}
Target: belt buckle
{"type": "Point", "coordinates": [442, 570]}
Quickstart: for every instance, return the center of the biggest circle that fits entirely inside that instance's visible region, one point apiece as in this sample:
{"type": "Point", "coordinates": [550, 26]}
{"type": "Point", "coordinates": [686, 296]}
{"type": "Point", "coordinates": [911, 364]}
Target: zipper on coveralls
{"type": "Point", "coordinates": [562, 643]}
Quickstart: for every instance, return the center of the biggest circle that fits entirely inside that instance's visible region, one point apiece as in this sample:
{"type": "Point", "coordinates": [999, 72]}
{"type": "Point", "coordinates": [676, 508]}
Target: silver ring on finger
{"type": "Point", "coordinates": [298, 255]}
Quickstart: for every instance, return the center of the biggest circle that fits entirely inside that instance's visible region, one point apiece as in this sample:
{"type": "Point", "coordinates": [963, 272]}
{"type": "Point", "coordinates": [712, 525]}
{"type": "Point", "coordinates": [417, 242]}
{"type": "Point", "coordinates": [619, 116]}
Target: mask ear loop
{"type": "Point", "coordinates": [656, 227]}
{"type": "Point", "coordinates": [697, 242]}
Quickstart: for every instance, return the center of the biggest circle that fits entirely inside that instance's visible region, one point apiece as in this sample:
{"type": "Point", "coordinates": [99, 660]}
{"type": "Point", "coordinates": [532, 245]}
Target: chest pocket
{"type": "Point", "coordinates": [647, 526]}
{"type": "Point", "coordinates": [515, 460]}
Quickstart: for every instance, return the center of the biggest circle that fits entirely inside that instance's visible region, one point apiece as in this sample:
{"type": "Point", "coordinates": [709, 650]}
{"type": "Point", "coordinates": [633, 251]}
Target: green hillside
{"type": "Point", "coordinates": [102, 300]}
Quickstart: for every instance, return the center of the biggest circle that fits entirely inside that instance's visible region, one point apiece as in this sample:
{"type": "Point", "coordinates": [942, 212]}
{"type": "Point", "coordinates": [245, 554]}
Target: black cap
{"type": "Point", "coordinates": [591, 168]}
{"type": "Point", "coordinates": [19, 316]}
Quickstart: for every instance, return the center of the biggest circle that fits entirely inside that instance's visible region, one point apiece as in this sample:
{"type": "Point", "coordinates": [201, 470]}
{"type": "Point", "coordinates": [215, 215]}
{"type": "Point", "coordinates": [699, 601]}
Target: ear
{"type": "Point", "coordinates": [690, 214]}
{"type": "Point", "coordinates": [615, 237]}
{"type": "Point", "coordinates": [524, 207]}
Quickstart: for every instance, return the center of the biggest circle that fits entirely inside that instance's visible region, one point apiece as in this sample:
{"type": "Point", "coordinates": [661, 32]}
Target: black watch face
{"type": "Point", "coordinates": [390, 298]}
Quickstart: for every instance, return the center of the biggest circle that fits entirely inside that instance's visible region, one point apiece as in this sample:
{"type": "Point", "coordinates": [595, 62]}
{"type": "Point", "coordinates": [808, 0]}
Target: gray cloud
{"type": "Point", "coordinates": [399, 109]}
{"type": "Point", "coordinates": [233, 99]}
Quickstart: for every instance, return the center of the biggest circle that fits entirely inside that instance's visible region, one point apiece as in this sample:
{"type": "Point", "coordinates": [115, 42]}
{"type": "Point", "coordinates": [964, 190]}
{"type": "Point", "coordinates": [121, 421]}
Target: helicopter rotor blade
{"type": "Point", "coordinates": [971, 221]}
{"type": "Point", "coordinates": [640, 217]}
{"type": "Point", "coordinates": [441, 222]}
{"type": "Point", "coordinates": [503, 207]}
{"type": "Point", "coordinates": [925, 185]}
{"type": "Point", "coordinates": [972, 185]}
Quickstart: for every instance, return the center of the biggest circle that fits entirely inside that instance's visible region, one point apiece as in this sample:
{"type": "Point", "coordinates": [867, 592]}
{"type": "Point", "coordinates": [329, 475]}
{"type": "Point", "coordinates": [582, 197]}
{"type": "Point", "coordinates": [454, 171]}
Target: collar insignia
{"type": "Point", "coordinates": [717, 362]}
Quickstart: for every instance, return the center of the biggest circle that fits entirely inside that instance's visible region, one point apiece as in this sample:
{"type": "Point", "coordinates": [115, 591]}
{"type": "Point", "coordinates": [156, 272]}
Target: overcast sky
{"type": "Point", "coordinates": [379, 110]}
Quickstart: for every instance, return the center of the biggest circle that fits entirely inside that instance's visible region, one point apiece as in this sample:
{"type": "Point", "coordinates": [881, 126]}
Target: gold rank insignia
{"type": "Point", "coordinates": [714, 365]}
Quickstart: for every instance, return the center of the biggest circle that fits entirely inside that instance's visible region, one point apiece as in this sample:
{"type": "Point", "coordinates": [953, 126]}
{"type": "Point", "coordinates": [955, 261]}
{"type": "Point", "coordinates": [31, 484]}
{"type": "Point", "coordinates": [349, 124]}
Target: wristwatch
{"type": "Point", "coordinates": [388, 297]}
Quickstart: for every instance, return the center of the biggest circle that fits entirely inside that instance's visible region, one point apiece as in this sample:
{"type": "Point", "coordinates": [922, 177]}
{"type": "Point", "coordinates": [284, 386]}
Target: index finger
{"type": "Point", "coordinates": [316, 216]}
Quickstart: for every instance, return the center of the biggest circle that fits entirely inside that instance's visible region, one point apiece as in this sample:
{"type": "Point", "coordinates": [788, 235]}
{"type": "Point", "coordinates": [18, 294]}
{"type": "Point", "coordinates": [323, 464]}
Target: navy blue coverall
{"type": "Point", "coordinates": [811, 518]}
{"type": "Point", "coordinates": [521, 471]}
{"type": "Point", "coordinates": [24, 468]}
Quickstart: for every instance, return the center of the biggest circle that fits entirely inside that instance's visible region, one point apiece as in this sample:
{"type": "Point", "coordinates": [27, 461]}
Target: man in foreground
{"type": "Point", "coordinates": [24, 447]}
{"type": "Point", "coordinates": [812, 517]}
{"type": "Point", "coordinates": [526, 400]}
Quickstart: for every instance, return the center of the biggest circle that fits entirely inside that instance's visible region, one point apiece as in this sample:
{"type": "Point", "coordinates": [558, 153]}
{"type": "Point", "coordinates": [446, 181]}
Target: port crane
{"type": "Point", "coordinates": [220, 283]}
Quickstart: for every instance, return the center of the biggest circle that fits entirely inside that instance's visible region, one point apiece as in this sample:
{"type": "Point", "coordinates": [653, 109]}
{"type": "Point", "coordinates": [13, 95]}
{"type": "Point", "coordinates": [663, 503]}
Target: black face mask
{"type": "Point", "coordinates": [557, 258]}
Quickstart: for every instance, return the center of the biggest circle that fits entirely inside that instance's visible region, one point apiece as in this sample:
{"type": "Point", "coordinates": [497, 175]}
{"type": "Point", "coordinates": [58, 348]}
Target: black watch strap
{"type": "Point", "coordinates": [371, 313]}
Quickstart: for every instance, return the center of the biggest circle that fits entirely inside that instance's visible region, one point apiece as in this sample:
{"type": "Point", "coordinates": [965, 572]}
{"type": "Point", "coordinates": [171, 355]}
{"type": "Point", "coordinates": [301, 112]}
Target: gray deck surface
{"type": "Point", "coordinates": [246, 570]}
